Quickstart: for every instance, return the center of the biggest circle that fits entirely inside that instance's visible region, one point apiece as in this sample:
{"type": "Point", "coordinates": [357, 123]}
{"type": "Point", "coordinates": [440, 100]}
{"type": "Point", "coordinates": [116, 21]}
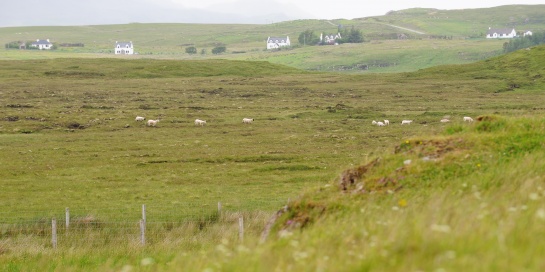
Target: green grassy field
{"type": "Point", "coordinates": [471, 195]}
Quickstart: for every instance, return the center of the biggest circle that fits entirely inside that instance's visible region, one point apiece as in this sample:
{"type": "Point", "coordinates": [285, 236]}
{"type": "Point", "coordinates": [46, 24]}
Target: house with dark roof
{"type": "Point", "coordinates": [123, 48]}
{"type": "Point", "coordinates": [501, 33]}
{"type": "Point", "coordinates": [42, 44]}
{"type": "Point", "coordinates": [277, 42]}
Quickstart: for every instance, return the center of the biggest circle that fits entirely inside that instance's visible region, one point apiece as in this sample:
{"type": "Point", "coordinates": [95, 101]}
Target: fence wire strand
{"type": "Point", "coordinates": [181, 224]}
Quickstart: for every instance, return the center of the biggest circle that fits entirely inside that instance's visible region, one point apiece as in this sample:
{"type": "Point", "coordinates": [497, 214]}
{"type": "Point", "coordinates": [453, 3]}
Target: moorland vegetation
{"type": "Point", "coordinates": [333, 191]}
{"type": "Point", "coordinates": [428, 196]}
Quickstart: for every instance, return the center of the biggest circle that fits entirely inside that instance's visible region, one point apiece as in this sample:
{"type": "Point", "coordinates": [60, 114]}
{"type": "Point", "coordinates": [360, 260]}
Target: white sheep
{"type": "Point", "coordinates": [247, 120]}
{"type": "Point", "coordinates": [445, 120]}
{"type": "Point", "coordinates": [468, 119]}
{"type": "Point", "coordinates": [139, 118]}
{"type": "Point", "coordinates": [152, 123]}
{"type": "Point", "coordinates": [380, 124]}
{"type": "Point", "coordinates": [408, 122]}
{"type": "Point", "coordinates": [387, 122]}
{"type": "Point", "coordinates": [199, 122]}
{"type": "Point", "coordinates": [374, 122]}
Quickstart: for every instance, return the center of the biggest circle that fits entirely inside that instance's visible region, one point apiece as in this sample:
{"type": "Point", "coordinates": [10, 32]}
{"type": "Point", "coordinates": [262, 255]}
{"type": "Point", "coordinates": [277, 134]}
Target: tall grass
{"type": "Point", "coordinates": [458, 200]}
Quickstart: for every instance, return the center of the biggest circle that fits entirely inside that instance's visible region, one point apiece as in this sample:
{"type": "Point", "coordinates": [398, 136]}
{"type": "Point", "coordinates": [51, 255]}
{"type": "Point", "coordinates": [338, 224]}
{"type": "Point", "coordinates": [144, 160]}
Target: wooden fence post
{"type": "Point", "coordinates": [219, 208]}
{"type": "Point", "coordinates": [144, 212]}
{"type": "Point", "coordinates": [143, 225]}
{"type": "Point", "coordinates": [67, 212]}
{"type": "Point", "coordinates": [241, 228]}
{"type": "Point", "coordinates": [54, 233]}
{"type": "Point", "coordinates": [142, 231]}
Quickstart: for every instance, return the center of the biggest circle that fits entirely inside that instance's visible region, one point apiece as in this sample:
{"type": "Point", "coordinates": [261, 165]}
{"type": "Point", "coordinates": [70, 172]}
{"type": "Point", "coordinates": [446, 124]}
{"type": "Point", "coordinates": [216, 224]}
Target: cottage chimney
{"type": "Point", "coordinates": [47, 40]}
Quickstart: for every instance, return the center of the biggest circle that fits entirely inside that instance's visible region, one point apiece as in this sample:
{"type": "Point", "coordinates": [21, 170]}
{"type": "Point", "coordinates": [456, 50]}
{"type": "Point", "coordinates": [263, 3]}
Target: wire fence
{"type": "Point", "coordinates": [183, 224]}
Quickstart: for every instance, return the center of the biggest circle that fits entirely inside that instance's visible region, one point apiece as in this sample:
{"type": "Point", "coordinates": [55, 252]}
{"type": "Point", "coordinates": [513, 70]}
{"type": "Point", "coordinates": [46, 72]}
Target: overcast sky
{"type": "Point", "coordinates": [91, 12]}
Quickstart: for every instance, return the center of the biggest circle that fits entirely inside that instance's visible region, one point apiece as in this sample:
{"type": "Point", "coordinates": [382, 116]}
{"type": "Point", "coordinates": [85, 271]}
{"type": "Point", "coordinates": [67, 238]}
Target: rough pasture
{"type": "Point", "coordinates": [80, 130]}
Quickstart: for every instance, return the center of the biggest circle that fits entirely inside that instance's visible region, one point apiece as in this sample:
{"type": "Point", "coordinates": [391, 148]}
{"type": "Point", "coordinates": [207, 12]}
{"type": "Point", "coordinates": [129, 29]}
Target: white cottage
{"type": "Point", "coordinates": [123, 48]}
{"type": "Point", "coordinates": [501, 33]}
{"type": "Point", "coordinates": [42, 44]}
{"type": "Point", "coordinates": [277, 42]}
{"type": "Point", "coordinates": [330, 39]}
{"type": "Point", "coordinates": [527, 33]}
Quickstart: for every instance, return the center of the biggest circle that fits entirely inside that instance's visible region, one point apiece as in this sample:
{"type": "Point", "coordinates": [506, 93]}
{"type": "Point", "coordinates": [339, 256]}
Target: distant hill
{"type": "Point", "coordinates": [470, 23]}
{"type": "Point", "coordinates": [98, 12]}
{"type": "Point", "coordinates": [400, 41]}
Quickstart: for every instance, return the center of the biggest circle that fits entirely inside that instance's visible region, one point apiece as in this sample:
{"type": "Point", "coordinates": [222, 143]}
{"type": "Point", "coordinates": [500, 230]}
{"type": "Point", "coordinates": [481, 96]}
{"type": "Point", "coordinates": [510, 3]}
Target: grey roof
{"type": "Point", "coordinates": [499, 31]}
{"type": "Point", "coordinates": [41, 42]}
{"type": "Point", "coordinates": [123, 44]}
{"type": "Point", "coordinates": [277, 38]}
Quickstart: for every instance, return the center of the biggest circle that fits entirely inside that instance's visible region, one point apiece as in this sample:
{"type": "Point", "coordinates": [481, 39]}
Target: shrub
{"type": "Point", "coordinates": [218, 50]}
{"type": "Point", "coordinates": [191, 50]}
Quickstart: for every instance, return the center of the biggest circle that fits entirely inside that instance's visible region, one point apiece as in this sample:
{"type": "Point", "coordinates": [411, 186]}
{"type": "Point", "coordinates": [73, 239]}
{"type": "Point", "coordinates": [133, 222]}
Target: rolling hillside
{"type": "Point", "coordinates": [383, 52]}
{"type": "Point", "coordinates": [350, 196]}
{"type": "Point", "coordinates": [465, 23]}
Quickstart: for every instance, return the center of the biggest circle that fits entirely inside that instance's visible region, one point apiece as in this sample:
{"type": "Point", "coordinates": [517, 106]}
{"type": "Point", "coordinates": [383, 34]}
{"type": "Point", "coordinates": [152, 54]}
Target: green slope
{"type": "Point", "coordinates": [466, 22]}
{"type": "Point", "coordinates": [523, 68]}
{"type": "Point", "coordinates": [471, 198]}
{"type": "Point", "coordinates": [382, 52]}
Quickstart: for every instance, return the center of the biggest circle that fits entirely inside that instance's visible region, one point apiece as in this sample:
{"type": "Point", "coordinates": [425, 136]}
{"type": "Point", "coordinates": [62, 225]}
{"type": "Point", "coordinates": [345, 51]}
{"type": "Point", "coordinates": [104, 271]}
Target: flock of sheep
{"type": "Point", "coordinates": [408, 122]}
{"type": "Point", "coordinates": [198, 122]}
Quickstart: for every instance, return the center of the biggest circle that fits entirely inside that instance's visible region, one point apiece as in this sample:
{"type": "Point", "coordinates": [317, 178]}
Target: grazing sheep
{"type": "Point", "coordinates": [247, 120]}
{"type": "Point", "coordinates": [445, 120]}
{"type": "Point", "coordinates": [199, 122]}
{"type": "Point", "coordinates": [468, 119]}
{"type": "Point", "coordinates": [387, 122]}
{"type": "Point", "coordinates": [380, 124]}
{"type": "Point", "coordinates": [374, 122]}
{"type": "Point", "coordinates": [408, 122]}
{"type": "Point", "coordinates": [139, 118]}
{"type": "Point", "coordinates": [152, 123]}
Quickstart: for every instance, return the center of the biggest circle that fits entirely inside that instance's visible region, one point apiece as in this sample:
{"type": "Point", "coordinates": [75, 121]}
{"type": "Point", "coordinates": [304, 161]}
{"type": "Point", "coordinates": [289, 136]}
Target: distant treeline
{"type": "Point", "coordinates": [309, 37]}
{"type": "Point", "coordinates": [28, 45]}
{"type": "Point", "coordinates": [72, 45]}
{"type": "Point", "coordinates": [524, 42]}
{"type": "Point", "coordinates": [15, 45]}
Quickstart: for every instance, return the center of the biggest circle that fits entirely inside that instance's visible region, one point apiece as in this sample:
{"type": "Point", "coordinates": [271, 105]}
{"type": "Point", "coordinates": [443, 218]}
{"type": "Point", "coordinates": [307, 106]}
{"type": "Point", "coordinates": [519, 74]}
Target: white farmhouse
{"type": "Point", "coordinates": [501, 33]}
{"type": "Point", "coordinates": [527, 33]}
{"type": "Point", "coordinates": [123, 48]}
{"type": "Point", "coordinates": [42, 44]}
{"type": "Point", "coordinates": [330, 39]}
{"type": "Point", "coordinates": [277, 42]}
